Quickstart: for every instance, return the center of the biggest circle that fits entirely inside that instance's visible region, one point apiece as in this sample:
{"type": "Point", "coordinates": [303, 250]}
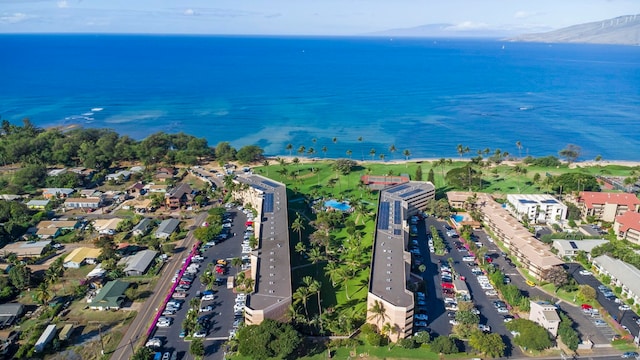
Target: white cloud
{"type": "Point", "coordinates": [189, 12]}
{"type": "Point", "coordinates": [526, 14]}
{"type": "Point", "coordinates": [466, 26]}
{"type": "Point", "coordinates": [13, 18]}
{"type": "Point", "coordinates": [63, 4]}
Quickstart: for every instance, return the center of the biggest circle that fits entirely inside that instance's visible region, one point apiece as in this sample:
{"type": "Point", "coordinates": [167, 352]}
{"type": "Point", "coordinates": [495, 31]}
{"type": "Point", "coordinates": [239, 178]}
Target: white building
{"type": "Point", "coordinates": [570, 248]}
{"type": "Point", "coordinates": [623, 275]}
{"type": "Point", "coordinates": [536, 208]}
{"type": "Point", "coordinates": [545, 314]}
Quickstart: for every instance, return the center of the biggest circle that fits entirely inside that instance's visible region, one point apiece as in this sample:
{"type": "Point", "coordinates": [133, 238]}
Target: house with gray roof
{"type": "Point", "coordinates": [139, 263]}
{"type": "Point", "coordinates": [570, 248]}
{"type": "Point", "coordinates": [166, 228]}
{"type": "Point", "coordinates": [142, 227]}
{"type": "Point", "coordinates": [9, 313]}
{"type": "Point", "coordinates": [623, 275]}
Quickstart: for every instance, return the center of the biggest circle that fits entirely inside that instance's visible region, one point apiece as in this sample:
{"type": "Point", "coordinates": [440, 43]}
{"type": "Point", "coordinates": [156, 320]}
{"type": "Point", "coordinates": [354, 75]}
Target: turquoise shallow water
{"type": "Point", "coordinates": [423, 95]}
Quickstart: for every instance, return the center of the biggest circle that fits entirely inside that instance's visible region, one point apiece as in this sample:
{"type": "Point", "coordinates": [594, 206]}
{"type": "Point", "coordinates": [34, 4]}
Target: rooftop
{"type": "Point", "coordinates": [591, 198]}
{"type": "Point", "coordinates": [274, 272]}
{"type": "Point", "coordinates": [26, 248]}
{"type": "Point", "coordinates": [628, 274]}
{"type": "Point", "coordinates": [390, 267]}
{"type": "Point", "coordinates": [78, 255]}
{"type": "Point", "coordinates": [629, 220]}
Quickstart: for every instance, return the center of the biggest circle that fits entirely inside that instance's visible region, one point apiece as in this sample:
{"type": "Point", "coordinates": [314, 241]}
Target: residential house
{"type": "Point", "coordinates": [142, 227]}
{"type": "Point", "coordinates": [81, 256]}
{"type": "Point", "coordinates": [56, 172]}
{"type": "Point", "coordinates": [623, 275]}
{"type": "Point", "coordinates": [49, 193]}
{"type": "Point", "coordinates": [139, 205]}
{"type": "Point", "coordinates": [571, 248]}
{"type": "Point", "coordinates": [11, 197]}
{"type": "Point", "coordinates": [106, 226]}
{"type": "Point", "coordinates": [137, 169]}
{"type": "Point", "coordinates": [49, 232]}
{"type": "Point", "coordinates": [163, 174]}
{"type": "Point", "coordinates": [546, 315]}
{"type": "Point", "coordinates": [90, 193]}
{"type": "Point", "coordinates": [136, 189]}
{"type": "Point", "coordinates": [153, 188]}
{"type": "Point", "coordinates": [180, 195]}
{"type": "Point", "coordinates": [606, 206]}
{"type": "Point", "coordinates": [122, 175]}
{"type": "Point", "coordinates": [82, 203]}
{"type": "Point", "coordinates": [110, 296]}
{"type": "Point", "coordinates": [83, 172]}
{"type": "Point", "coordinates": [26, 249]}
{"type": "Point", "coordinates": [536, 208]}
{"type": "Point", "coordinates": [627, 226]}
{"type": "Point", "coordinates": [60, 224]}
{"type": "Point", "coordinates": [37, 204]}
{"type": "Point", "coordinates": [139, 263]}
{"type": "Point", "coordinates": [9, 313]}
{"type": "Point", "coordinates": [166, 228]}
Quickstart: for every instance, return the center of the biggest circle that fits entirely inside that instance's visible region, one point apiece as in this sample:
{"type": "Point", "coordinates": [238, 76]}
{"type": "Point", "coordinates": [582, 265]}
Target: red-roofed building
{"type": "Point", "coordinates": [627, 226]}
{"type": "Point", "coordinates": [606, 206]}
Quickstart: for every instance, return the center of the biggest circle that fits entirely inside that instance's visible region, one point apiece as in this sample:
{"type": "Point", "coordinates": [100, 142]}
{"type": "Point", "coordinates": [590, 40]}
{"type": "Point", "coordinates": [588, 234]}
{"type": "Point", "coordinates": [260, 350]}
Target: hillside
{"type": "Point", "coordinates": [622, 30]}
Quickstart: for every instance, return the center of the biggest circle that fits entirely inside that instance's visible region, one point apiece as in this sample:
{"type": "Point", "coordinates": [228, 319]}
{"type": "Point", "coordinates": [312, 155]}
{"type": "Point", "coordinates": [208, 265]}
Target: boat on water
{"type": "Point", "coordinates": [87, 114]}
{"type": "Point", "coordinates": [97, 109]}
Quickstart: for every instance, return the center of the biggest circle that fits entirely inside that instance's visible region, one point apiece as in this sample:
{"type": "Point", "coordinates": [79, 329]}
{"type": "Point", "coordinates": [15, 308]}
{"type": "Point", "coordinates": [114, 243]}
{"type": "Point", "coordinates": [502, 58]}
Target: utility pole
{"type": "Point", "coordinates": [100, 333]}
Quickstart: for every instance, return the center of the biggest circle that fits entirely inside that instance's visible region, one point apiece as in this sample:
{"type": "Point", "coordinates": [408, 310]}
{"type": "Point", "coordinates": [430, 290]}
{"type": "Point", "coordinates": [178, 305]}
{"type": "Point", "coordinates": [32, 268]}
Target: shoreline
{"type": "Point", "coordinates": [584, 163]}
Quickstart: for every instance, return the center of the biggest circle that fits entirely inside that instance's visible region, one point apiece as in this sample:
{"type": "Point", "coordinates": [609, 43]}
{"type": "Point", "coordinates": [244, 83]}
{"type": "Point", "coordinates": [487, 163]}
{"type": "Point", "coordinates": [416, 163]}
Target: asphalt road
{"type": "Point", "coordinates": [138, 328]}
{"type": "Point", "coordinates": [222, 304]}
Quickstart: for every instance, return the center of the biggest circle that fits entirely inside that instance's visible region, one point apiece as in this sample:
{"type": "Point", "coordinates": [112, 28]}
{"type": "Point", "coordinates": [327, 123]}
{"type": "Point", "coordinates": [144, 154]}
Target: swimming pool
{"type": "Point", "coordinates": [342, 206]}
{"type": "Point", "coordinates": [458, 218]}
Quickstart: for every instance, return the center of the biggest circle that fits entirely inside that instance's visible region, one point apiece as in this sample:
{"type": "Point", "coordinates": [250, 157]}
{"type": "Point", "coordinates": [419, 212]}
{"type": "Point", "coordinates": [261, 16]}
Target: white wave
{"type": "Point", "coordinates": [97, 109]}
{"type": "Point", "coordinates": [129, 117]}
{"type": "Point", "coordinates": [87, 114]}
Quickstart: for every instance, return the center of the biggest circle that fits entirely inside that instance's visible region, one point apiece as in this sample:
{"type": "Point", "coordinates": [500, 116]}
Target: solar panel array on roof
{"type": "Point", "coordinates": [412, 192]}
{"type": "Point", "coordinates": [396, 189]}
{"type": "Point", "coordinates": [268, 203]}
{"type": "Point", "coordinates": [397, 218]}
{"type": "Point", "coordinates": [383, 216]}
{"type": "Point", "coordinates": [397, 232]}
{"type": "Point", "coordinates": [270, 183]}
{"type": "Point", "coordinates": [549, 201]}
{"type": "Point", "coordinates": [258, 187]}
{"type": "Point", "coordinates": [573, 245]}
{"type": "Point", "coordinates": [526, 201]}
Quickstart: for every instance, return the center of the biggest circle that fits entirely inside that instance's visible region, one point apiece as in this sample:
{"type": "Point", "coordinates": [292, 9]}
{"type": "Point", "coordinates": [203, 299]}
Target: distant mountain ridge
{"type": "Point", "coordinates": [622, 30]}
{"type": "Point", "coordinates": [445, 30]}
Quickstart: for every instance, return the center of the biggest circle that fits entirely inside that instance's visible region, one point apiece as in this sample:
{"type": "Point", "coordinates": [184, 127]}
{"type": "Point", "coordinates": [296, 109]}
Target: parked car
{"type": "Point", "coordinates": [630, 355]}
{"type": "Point", "coordinates": [624, 307]}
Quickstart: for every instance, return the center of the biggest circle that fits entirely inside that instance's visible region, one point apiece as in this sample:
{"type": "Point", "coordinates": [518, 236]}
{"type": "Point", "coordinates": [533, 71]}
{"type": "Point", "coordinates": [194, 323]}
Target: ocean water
{"type": "Point", "coordinates": [424, 95]}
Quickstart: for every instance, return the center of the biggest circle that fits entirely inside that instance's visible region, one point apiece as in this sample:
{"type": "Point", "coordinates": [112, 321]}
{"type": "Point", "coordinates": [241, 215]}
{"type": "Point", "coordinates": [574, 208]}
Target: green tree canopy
{"type": "Point", "coordinates": [250, 153]}
{"type": "Point", "coordinates": [269, 339]}
{"type": "Point", "coordinates": [531, 335]}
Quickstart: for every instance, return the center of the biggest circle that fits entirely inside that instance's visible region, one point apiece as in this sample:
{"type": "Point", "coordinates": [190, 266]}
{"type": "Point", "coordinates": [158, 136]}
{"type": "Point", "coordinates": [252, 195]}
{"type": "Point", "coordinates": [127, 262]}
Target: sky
{"type": "Point", "coordinates": [300, 17]}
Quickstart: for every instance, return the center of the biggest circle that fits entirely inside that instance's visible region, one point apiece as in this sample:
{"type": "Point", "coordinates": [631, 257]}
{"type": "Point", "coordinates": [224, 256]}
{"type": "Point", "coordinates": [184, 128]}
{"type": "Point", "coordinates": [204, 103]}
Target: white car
{"type": "Point", "coordinates": [491, 293]}
{"type": "Point", "coordinates": [624, 307]}
{"type": "Point", "coordinates": [484, 328]}
{"type": "Point", "coordinates": [469, 258]}
{"type": "Point", "coordinates": [585, 272]}
{"type": "Point", "coordinates": [154, 342]}
{"type": "Point", "coordinates": [163, 324]}
{"type": "Point", "coordinates": [200, 334]}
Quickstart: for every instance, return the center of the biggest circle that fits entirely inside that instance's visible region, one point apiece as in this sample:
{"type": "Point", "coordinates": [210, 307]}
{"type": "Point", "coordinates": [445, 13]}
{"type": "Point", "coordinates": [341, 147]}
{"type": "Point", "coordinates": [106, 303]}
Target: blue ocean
{"type": "Point", "coordinates": [423, 95]}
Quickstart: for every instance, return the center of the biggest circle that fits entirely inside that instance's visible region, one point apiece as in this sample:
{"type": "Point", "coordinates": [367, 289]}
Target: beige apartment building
{"type": "Point", "coordinates": [606, 206]}
{"type": "Point", "coordinates": [270, 261]}
{"type": "Point", "coordinates": [627, 226]}
{"type": "Point", "coordinates": [531, 253]}
{"type": "Point", "coordinates": [391, 262]}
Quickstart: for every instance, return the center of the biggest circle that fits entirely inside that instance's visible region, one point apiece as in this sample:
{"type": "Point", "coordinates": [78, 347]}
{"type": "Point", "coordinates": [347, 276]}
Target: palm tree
{"type": "Point", "coordinates": [324, 151]}
{"type": "Point", "coordinates": [332, 270]}
{"type": "Point", "coordinates": [406, 154]}
{"type": "Point", "coordinates": [311, 152]}
{"type": "Point", "coordinates": [43, 295]}
{"type": "Point", "coordinates": [349, 153]}
{"type": "Point", "coordinates": [392, 150]}
{"type": "Point", "coordinates": [301, 150]}
{"type": "Point", "coordinates": [361, 149]}
{"type": "Point", "coordinates": [519, 146]}
{"type": "Point", "coordinates": [302, 295]}
{"type": "Point", "coordinates": [372, 152]}
{"type": "Point", "coordinates": [194, 303]}
{"type": "Point", "coordinates": [314, 286]}
{"type": "Point", "coordinates": [382, 157]}
{"type": "Point", "coordinates": [300, 248]}
{"type": "Point", "coordinates": [335, 140]}
{"type": "Point", "coordinates": [298, 226]}
{"type": "Point", "coordinates": [289, 148]}
{"type": "Point", "coordinates": [378, 313]}
{"type": "Point", "coordinates": [237, 263]}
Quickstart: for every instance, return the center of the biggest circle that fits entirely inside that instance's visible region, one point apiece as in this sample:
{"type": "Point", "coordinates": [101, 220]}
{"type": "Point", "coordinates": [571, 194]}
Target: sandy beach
{"type": "Point", "coordinates": [585, 163]}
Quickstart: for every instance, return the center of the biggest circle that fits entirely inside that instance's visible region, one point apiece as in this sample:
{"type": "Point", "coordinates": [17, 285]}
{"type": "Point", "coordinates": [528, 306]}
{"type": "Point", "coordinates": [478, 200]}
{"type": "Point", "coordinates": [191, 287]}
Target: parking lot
{"type": "Point", "coordinates": [219, 306]}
